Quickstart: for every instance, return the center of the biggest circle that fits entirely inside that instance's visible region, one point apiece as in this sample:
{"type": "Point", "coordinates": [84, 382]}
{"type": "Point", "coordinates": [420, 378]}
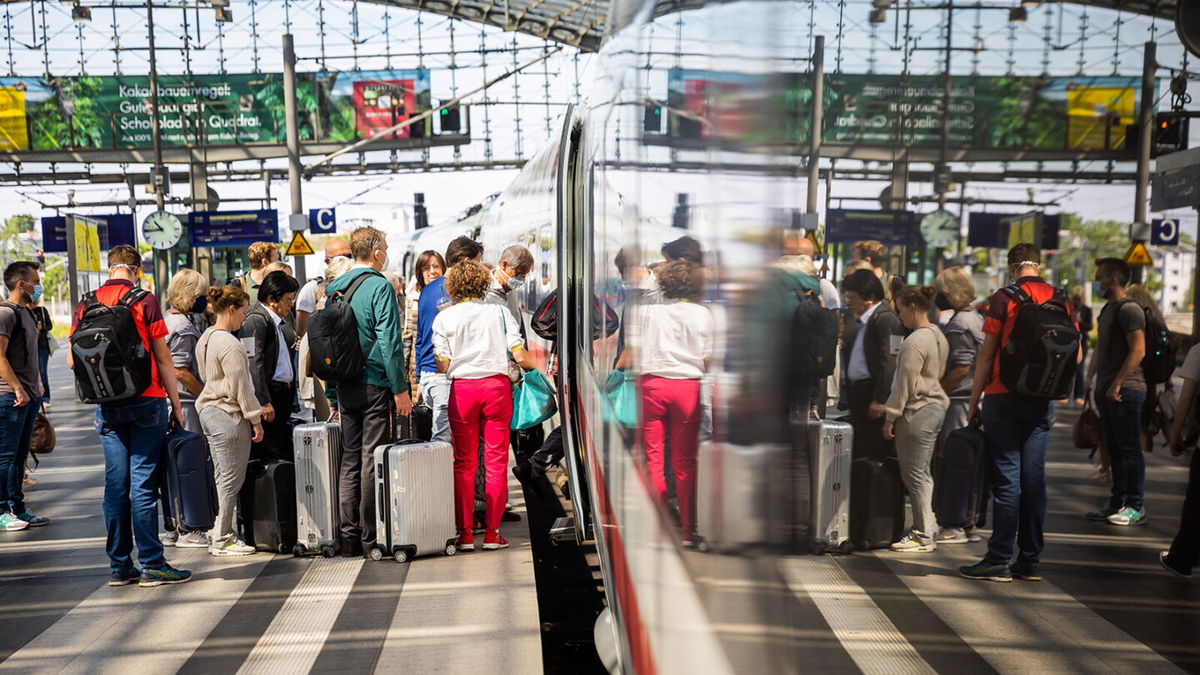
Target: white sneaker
{"type": "Point", "coordinates": [952, 535]}
{"type": "Point", "coordinates": [913, 544]}
{"type": "Point", "coordinates": [169, 538]}
{"type": "Point", "coordinates": [11, 523]}
{"type": "Point", "coordinates": [192, 540]}
{"type": "Point", "coordinates": [232, 546]}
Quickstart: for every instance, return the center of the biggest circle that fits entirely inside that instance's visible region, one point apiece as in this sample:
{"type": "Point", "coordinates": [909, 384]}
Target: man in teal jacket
{"type": "Point", "coordinates": [368, 406]}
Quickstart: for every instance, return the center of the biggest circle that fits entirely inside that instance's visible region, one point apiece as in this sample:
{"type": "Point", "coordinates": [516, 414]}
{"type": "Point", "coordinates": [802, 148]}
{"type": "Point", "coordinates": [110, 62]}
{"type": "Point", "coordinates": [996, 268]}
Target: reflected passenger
{"type": "Point", "coordinates": [674, 343]}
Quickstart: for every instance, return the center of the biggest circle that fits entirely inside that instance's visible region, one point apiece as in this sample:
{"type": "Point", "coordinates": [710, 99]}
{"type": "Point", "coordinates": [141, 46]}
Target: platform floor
{"type": "Point", "coordinates": [255, 614]}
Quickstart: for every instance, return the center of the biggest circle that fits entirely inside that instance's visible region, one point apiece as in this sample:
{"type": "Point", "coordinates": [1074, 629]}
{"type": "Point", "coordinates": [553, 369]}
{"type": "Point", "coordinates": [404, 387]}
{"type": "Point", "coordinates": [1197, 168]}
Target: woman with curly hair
{"type": "Point", "coordinates": [472, 343]}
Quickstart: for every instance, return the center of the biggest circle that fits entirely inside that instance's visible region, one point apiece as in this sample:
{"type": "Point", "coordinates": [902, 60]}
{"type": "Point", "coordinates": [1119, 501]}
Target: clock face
{"type": "Point", "coordinates": [940, 229]}
{"type": "Point", "coordinates": [161, 229]}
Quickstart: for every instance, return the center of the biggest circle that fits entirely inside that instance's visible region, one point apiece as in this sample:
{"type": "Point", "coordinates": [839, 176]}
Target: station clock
{"type": "Point", "coordinates": [162, 230]}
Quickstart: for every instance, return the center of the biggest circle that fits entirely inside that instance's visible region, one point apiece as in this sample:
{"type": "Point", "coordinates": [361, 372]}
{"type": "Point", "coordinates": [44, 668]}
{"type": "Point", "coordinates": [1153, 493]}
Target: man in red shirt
{"type": "Point", "coordinates": [1017, 428]}
{"type": "Point", "coordinates": [132, 434]}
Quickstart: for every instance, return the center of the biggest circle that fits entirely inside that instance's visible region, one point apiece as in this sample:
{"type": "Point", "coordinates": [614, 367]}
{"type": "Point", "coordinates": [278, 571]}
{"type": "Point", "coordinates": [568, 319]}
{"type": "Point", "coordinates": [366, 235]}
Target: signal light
{"type": "Point", "coordinates": [450, 120]}
{"type": "Point", "coordinates": [1171, 132]}
{"type": "Point", "coordinates": [652, 119]}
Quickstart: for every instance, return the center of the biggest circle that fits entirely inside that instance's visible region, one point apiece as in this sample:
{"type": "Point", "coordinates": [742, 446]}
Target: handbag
{"type": "Point", "coordinates": [43, 440]}
{"type": "Point", "coordinates": [1086, 433]}
{"type": "Point", "coordinates": [533, 401]}
{"type": "Point", "coordinates": [621, 393]}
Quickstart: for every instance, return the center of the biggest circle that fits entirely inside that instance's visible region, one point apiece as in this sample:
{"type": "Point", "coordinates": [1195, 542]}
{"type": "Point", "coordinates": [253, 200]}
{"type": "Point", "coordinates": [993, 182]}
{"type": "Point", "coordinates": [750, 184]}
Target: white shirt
{"type": "Point", "coordinates": [829, 295]}
{"type": "Point", "coordinates": [674, 339]}
{"type": "Point", "coordinates": [306, 299]}
{"type": "Point", "coordinates": [858, 369]}
{"type": "Point", "coordinates": [476, 338]}
{"type": "Point", "coordinates": [283, 363]}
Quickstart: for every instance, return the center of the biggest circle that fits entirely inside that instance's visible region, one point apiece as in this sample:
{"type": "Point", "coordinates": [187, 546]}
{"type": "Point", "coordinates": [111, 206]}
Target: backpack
{"type": "Point", "coordinates": [1039, 359]}
{"type": "Point", "coordinates": [333, 345]}
{"type": "Point", "coordinates": [815, 332]}
{"type": "Point", "coordinates": [16, 341]}
{"type": "Point", "coordinates": [111, 362]}
{"type": "Point", "coordinates": [545, 319]}
{"type": "Point", "coordinates": [1159, 363]}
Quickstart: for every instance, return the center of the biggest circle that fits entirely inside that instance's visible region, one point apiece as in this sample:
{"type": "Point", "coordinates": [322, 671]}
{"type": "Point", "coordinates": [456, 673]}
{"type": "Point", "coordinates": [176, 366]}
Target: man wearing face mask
{"type": "Point", "coordinates": [20, 388]}
{"type": "Point", "coordinates": [509, 275]}
{"type": "Point", "coordinates": [1116, 369]}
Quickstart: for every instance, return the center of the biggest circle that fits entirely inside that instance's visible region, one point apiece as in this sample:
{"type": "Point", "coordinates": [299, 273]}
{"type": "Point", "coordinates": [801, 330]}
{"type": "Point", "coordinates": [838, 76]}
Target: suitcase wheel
{"type": "Point", "coordinates": [819, 548]}
{"type": "Point", "coordinates": [327, 551]}
{"type": "Point", "coordinates": [846, 547]}
{"type": "Point", "coordinates": [298, 550]}
{"type": "Point", "coordinates": [376, 554]}
{"type": "Point", "coordinates": [451, 548]}
{"type": "Point", "coordinates": [401, 556]}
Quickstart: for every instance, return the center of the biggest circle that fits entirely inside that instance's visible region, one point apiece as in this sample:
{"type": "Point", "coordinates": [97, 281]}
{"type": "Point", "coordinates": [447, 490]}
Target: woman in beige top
{"type": "Point", "coordinates": [916, 409]}
{"type": "Point", "coordinates": [229, 412]}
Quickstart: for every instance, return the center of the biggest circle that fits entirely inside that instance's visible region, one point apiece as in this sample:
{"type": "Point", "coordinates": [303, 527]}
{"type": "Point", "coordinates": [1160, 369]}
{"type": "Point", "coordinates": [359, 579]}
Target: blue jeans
{"type": "Point", "coordinates": [44, 367]}
{"type": "Point", "coordinates": [132, 437]}
{"type": "Point", "coordinates": [16, 428]}
{"type": "Point", "coordinates": [435, 389]}
{"type": "Point", "coordinates": [1122, 426]}
{"type": "Point", "coordinates": [1017, 429]}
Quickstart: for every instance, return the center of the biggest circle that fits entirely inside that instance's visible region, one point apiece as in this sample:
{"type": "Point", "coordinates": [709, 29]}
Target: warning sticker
{"type": "Point", "coordinates": [299, 246]}
{"type": "Point", "coordinates": [1138, 255]}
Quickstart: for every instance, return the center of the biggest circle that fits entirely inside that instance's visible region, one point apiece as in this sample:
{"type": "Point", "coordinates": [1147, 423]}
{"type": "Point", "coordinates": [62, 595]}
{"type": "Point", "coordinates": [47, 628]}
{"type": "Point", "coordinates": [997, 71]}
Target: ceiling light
{"type": "Point", "coordinates": [878, 16]}
{"type": "Point", "coordinates": [1031, 4]}
{"type": "Point", "coordinates": [80, 14]}
{"type": "Point", "coordinates": [1017, 15]}
{"type": "Point", "coordinates": [224, 15]}
{"type": "Point", "coordinates": [219, 3]}
{"type": "Point", "coordinates": [881, 4]}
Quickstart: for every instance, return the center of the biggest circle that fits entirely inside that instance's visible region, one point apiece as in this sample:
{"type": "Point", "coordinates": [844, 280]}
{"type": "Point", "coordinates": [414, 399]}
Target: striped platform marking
{"type": "Point", "coordinates": [296, 635]}
{"type": "Point", "coordinates": [866, 633]}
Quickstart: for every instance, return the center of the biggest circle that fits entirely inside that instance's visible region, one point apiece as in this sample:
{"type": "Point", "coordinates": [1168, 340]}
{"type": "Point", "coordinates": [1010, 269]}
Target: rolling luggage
{"type": "Point", "coordinates": [191, 486]}
{"type": "Point", "coordinates": [734, 508]}
{"type": "Point", "coordinates": [270, 493]}
{"type": "Point", "coordinates": [414, 500]}
{"type": "Point", "coordinates": [829, 451]}
{"type": "Point", "coordinates": [318, 458]}
{"type": "Point", "coordinates": [876, 503]}
{"type": "Point", "coordinates": [958, 477]}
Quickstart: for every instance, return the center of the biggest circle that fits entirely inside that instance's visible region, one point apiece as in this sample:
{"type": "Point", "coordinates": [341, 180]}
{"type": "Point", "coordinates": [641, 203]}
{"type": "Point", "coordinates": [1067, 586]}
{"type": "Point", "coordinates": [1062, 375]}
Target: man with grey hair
{"type": "Point", "coordinates": [515, 264]}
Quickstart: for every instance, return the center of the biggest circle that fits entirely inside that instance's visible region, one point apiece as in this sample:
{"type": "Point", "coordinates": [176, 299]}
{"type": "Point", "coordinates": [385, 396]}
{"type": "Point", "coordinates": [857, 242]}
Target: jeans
{"type": "Point", "coordinates": [16, 428]}
{"type": "Point", "coordinates": [1122, 426]}
{"type": "Point", "coordinates": [1185, 549]}
{"type": "Point", "coordinates": [1017, 428]}
{"type": "Point", "coordinates": [228, 439]}
{"type": "Point", "coordinates": [671, 408]}
{"type": "Point", "coordinates": [132, 437]}
{"type": "Point", "coordinates": [368, 414]}
{"type": "Point", "coordinates": [480, 408]}
{"type": "Point", "coordinates": [435, 390]}
{"type": "Point", "coordinates": [44, 367]}
{"type": "Point", "coordinates": [916, 436]}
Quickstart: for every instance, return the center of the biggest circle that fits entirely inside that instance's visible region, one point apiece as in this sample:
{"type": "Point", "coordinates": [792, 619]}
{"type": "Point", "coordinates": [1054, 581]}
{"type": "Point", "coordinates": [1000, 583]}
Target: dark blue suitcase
{"type": "Point", "coordinates": [190, 482]}
{"type": "Point", "coordinates": [958, 476]}
{"type": "Point", "coordinates": [268, 506]}
{"type": "Point", "coordinates": [876, 503]}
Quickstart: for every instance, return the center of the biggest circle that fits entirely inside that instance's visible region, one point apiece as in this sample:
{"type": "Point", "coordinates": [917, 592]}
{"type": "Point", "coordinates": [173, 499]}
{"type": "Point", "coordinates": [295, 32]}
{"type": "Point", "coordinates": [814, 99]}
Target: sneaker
{"type": "Point", "coordinates": [191, 540]}
{"type": "Point", "coordinates": [493, 541]}
{"type": "Point", "coordinates": [34, 521]}
{"type": "Point", "coordinates": [1026, 571]}
{"type": "Point", "coordinates": [124, 577]}
{"type": "Point", "coordinates": [1101, 514]}
{"type": "Point", "coordinates": [1164, 560]}
{"type": "Point", "coordinates": [28, 481]}
{"type": "Point", "coordinates": [45, 406]}
{"type": "Point", "coordinates": [911, 543]}
{"type": "Point", "coordinates": [163, 575]}
{"type": "Point", "coordinates": [951, 535]}
{"type": "Point", "coordinates": [169, 538]}
{"type": "Point", "coordinates": [231, 546]}
{"type": "Point", "coordinates": [466, 540]}
{"type": "Point", "coordinates": [1126, 516]}
{"type": "Point", "coordinates": [986, 570]}
{"type": "Point", "coordinates": [973, 535]}
{"type": "Point", "coordinates": [11, 523]}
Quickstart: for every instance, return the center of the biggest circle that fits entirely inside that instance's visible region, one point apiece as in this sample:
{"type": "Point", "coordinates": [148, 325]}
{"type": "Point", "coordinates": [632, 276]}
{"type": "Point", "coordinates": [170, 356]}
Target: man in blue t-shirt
{"type": "Point", "coordinates": [435, 386]}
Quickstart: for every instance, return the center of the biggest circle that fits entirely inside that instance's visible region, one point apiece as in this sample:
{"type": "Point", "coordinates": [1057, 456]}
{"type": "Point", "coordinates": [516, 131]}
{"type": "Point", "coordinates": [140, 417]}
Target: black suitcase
{"type": "Point", "coordinates": [190, 486]}
{"type": "Point", "coordinates": [958, 477]}
{"type": "Point", "coordinates": [876, 503]}
{"type": "Point", "coordinates": [268, 499]}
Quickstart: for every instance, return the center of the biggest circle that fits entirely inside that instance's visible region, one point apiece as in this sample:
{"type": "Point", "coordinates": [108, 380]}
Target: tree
{"type": "Point", "coordinates": [1087, 241]}
{"type": "Point", "coordinates": [16, 240]}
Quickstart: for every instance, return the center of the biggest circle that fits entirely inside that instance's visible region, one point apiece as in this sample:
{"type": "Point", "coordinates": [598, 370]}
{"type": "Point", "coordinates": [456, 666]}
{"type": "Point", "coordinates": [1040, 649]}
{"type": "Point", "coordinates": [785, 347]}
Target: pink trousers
{"type": "Point", "coordinates": [480, 407]}
{"type": "Point", "coordinates": [671, 409]}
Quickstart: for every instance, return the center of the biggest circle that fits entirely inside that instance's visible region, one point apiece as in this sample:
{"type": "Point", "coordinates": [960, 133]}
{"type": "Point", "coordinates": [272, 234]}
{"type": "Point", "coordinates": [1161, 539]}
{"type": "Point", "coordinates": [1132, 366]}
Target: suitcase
{"type": "Point", "coordinates": [191, 485]}
{"type": "Point", "coordinates": [318, 460]}
{"type": "Point", "coordinates": [830, 461]}
{"type": "Point", "coordinates": [414, 500]}
{"type": "Point", "coordinates": [269, 524]}
{"type": "Point", "coordinates": [734, 505]}
{"type": "Point", "coordinates": [876, 503]}
{"type": "Point", "coordinates": [958, 476]}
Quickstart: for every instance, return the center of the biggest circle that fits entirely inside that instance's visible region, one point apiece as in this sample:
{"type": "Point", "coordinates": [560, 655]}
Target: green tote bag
{"type": "Point", "coordinates": [621, 392]}
{"type": "Point", "coordinates": [533, 401]}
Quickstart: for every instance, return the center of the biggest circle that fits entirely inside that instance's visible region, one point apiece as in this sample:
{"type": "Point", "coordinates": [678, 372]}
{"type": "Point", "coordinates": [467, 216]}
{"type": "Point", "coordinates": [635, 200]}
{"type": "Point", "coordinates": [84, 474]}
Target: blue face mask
{"type": "Point", "coordinates": [1098, 289]}
{"type": "Point", "coordinates": [199, 305]}
{"type": "Point", "coordinates": [36, 295]}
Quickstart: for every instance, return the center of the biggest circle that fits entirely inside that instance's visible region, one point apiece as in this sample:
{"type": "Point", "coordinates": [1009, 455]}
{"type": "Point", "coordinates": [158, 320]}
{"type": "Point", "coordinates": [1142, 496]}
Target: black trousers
{"type": "Point", "coordinates": [1185, 550]}
{"type": "Point", "coordinates": [367, 422]}
{"type": "Point", "coordinates": [277, 434]}
{"type": "Point", "coordinates": [868, 432]}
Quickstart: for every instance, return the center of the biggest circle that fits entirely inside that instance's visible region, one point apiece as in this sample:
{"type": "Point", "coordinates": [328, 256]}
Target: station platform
{"type": "Point", "coordinates": [261, 613]}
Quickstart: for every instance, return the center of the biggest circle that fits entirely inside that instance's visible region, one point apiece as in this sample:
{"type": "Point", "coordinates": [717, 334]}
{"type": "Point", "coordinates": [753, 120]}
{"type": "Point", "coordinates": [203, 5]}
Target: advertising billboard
{"type": "Point", "coordinates": [363, 102]}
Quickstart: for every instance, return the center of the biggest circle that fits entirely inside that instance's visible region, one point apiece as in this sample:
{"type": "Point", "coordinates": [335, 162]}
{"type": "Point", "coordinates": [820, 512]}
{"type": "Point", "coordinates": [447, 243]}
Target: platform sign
{"type": "Point", "coordinates": [299, 246]}
{"type": "Point", "coordinates": [990, 230]}
{"type": "Point", "coordinates": [1164, 232]}
{"type": "Point", "coordinates": [886, 226]}
{"type": "Point", "coordinates": [1177, 190]}
{"type": "Point", "coordinates": [322, 221]}
{"type": "Point", "coordinates": [1138, 255]}
{"type": "Point", "coordinates": [121, 229]}
{"type": "Point", "coordinates": [54, 234]}
{"type": "Point", "coordinates": [233, 228]}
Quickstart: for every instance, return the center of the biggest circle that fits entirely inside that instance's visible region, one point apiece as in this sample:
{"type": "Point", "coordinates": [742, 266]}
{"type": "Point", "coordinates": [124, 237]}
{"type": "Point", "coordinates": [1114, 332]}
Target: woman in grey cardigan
{"type": "Point", "coordinates": [229, 412]}
{"type": "Point", "coordinates": [916, 409]}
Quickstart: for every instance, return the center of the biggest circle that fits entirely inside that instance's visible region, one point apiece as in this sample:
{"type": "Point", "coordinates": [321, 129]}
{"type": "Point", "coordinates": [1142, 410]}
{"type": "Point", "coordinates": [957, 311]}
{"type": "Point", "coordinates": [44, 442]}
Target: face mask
{"type": "Point", "coordinates": [514, 283]}
{"type": "Point", "coordinates": [1098, 288]}
{"type": "Point", "coordinates": [942, 302]}
{"type": "Point", "coordinates": [199, 305]}
{"type": "Point", "coordinates": [36, 295]}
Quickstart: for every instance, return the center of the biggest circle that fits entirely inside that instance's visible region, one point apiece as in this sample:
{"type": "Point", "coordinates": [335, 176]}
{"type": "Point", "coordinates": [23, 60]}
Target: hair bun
{"type": "Point", "coordinates": [929, 292]}
{"type": "Point", "coordinates": [214, 293]}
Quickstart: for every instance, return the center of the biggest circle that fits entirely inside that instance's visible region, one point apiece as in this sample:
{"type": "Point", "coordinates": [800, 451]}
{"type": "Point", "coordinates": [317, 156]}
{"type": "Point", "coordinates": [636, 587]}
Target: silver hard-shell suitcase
{"type": "Point", "coordinates": [737, 496]}
{"type": "Point", "coordinates": [414, 500]}
{"type": "Point", "coordinates": [829, 445]}
{"type": "Point", "coordinates": [318, 460]}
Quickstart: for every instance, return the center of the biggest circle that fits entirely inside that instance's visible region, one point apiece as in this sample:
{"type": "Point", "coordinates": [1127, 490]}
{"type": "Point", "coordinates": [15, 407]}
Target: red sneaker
{"type": "Point", "coordinates": [466, 540]}
{"type": "Point", "coordinates": [492, 541]}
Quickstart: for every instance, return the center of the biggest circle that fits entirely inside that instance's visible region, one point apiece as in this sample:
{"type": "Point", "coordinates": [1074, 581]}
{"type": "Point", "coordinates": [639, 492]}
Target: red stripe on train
{"type": "Point", "coordinates": [631, 617]}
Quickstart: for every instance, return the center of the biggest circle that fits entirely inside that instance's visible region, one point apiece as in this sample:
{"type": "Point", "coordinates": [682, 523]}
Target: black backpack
{"type": "Point", "coordinates": [111, 362]}
{"type": "Point", "coordinates": [815, 332]}
{"type": "Point", "coordinates": [17, 353]}
{"type": "Point", "coordinates": [333, 337]}
{"type": "Point", "coordinates": [1039, 359]}
{"type": "Point", "coordinates": [1159, 363]}
{"type": "Point", "coordinates": [545, 318]}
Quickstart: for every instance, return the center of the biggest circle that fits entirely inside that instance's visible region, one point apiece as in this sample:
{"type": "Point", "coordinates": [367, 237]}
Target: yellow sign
{"type": "Point", "coordinates": [299, 246]}
{"type": "Point", "coordinates": [1097, 116]}
{"type": "Point", "coordinates": [87, 244]}
{"type": "Point", "coordinates": [1022, 230]}
{"type": "Point", "coordinates": [14, 133]}
{"type": "Point", "coordinates": [1138, 255]}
